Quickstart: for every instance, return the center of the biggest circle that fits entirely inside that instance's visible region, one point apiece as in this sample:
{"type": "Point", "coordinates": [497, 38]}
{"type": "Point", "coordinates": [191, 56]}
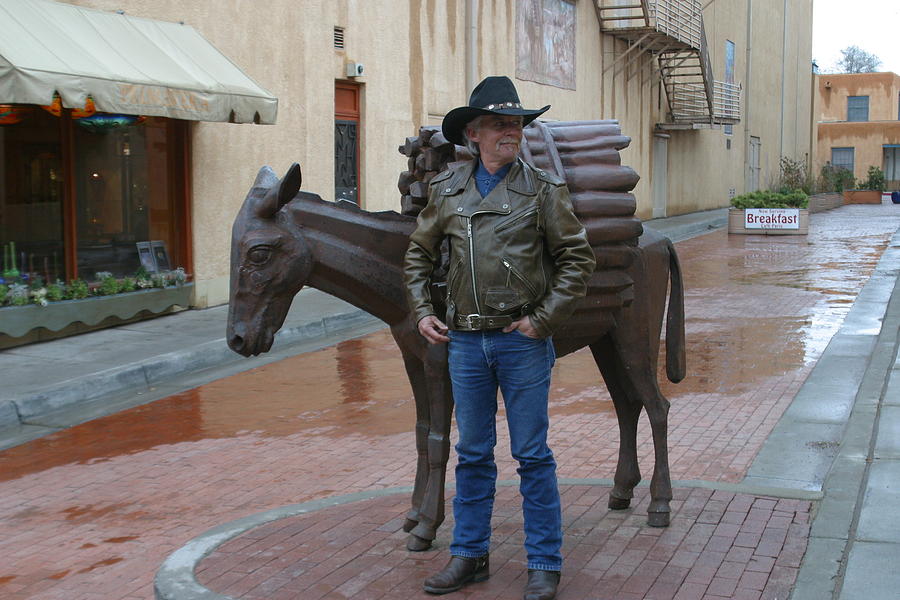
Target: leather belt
{"type": "Point", "coordinates": [483, 322]}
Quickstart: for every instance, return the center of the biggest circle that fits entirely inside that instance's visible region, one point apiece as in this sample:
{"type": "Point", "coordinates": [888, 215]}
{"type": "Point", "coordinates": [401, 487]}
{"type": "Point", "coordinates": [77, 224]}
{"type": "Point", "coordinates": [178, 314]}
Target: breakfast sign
{"type": "Point", "coordinates": [772, 218]}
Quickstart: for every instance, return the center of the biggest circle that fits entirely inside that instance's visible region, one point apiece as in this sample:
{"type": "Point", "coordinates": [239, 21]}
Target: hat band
{"type": "Point", "coordinates": [503, 105]}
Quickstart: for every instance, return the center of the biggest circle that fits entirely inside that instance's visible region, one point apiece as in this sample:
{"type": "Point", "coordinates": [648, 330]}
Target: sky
{"type": "Point", "coordinates": [873, 25]}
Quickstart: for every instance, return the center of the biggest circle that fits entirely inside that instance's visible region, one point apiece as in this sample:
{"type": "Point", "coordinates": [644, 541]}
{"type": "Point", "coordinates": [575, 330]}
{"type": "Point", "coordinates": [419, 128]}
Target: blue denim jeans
{"type": "Point", "coordinates": [480, 362]}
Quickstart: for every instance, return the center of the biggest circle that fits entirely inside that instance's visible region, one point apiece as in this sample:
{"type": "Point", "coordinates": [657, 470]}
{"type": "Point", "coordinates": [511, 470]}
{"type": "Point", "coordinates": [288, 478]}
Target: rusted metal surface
{"type": "Point", "coordinates": [283, 239]}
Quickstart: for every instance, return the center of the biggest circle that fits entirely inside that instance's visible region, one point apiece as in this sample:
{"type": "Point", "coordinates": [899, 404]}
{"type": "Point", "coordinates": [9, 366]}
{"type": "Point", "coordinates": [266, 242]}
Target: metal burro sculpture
{"type": "Point", "coordinates": [283, 239]}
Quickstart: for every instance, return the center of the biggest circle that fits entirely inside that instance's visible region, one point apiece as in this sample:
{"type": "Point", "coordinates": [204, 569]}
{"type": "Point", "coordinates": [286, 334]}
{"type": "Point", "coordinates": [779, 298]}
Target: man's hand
{"type": "Point", "coordinates": [524, 325]}
{"type": "Point", "coordinates": [433, 330]}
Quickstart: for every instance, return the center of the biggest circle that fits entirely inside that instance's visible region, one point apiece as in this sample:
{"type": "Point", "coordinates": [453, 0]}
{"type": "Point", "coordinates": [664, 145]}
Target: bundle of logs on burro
{"type": "Point", "coordinates": [284, 239]}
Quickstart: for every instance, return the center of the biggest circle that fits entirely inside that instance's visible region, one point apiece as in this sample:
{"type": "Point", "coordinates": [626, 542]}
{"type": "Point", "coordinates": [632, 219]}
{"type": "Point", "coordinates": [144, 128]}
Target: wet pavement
{"type": "Point", "coordinates": [92, 511]}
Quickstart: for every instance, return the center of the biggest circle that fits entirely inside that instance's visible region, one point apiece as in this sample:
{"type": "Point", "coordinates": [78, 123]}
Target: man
{"type": "Point", "coordinates": [519, 261]}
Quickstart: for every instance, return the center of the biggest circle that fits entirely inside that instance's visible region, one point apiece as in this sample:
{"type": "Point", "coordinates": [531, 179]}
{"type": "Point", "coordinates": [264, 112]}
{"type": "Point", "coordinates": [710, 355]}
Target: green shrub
{"type": "Point", "coordinates": [19, 294]}
{"type": "Point", "coordinates": [794, 199]}
{"type": "Point", "coordinates": [127, 285]}
{"type": "Point", "coordinates": [3, 293]}
{"type": "Point", "coordinates": [835, 179]}
{"type": "Point", "coordinates": [874, 180]}
{"type": "Point", "coordinates": [109, 285]}
{"type": "Point", "coordinates": [56, 292]}
{"type": "Point", "coordinates": [77, 289]}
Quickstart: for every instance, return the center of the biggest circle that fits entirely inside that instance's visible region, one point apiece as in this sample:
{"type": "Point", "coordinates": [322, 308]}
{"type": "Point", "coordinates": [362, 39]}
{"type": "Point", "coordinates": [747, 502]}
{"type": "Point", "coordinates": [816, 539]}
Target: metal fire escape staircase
{"type": "Point", "coordinates": [672, 31]}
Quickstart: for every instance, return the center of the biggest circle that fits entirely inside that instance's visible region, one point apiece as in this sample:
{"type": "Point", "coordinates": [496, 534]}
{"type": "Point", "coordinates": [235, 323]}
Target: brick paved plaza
{"type": "Point", "coordinates": [91, 512]}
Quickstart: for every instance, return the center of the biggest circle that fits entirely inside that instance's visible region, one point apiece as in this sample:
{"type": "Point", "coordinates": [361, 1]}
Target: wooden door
{"type": "Point", "coordinates": [346, 141]}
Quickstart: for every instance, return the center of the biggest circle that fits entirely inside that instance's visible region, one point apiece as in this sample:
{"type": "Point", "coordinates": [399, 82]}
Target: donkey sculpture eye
{"type": "Point", "coordinates": [259, 255]}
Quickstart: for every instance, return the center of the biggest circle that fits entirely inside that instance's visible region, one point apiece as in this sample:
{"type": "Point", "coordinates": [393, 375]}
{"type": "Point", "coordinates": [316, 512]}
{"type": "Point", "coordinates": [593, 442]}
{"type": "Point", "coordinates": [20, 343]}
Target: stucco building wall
{"type": "Point", "coordinates": [867, 138]}
{"type": "Point", "coordinates": [414, 53]}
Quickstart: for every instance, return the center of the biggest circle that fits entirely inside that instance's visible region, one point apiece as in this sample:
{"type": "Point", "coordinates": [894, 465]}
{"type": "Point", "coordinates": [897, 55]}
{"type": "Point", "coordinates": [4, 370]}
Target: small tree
{"type": "Point", "coordinates": [874, 180]}
{"type": "Point", "coordinates": [857, 60]}
{"type": "Point", "coordinates": [835, 179]}
{"type": "Point", "coordinates": [794, 175]}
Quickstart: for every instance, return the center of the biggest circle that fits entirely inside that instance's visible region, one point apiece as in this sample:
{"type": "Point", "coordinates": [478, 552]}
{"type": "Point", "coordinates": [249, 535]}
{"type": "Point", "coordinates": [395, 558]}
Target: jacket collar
{"type": "Point", "coordinates": [520, 179]}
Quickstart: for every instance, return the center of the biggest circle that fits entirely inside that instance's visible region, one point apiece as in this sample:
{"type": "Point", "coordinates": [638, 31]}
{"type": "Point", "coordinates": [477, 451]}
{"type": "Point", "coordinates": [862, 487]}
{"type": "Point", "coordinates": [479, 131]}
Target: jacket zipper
{"type": "Point", "coordinates": [472, 255]}
{"type": "Point", "coordinates": [512, 222]}
{"type": "Point", "coordinates": [519, 276]}
{"type": "Point", "coordinates": [472, 263]}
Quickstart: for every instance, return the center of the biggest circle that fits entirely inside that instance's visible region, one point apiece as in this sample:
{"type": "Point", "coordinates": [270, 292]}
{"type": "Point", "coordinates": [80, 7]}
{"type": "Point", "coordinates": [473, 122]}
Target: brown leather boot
{"type": "Point", "coordinates": [541, 585]}
{"type": "Point", "coordinates": [458, 572]}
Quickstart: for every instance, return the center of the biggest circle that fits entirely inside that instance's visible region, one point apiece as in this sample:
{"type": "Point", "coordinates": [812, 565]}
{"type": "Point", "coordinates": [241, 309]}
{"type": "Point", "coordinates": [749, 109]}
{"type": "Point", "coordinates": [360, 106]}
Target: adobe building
{"type": "Point", "coordinates": [858, 122]}
{"type": "Point", "coordinates": [711, 97]}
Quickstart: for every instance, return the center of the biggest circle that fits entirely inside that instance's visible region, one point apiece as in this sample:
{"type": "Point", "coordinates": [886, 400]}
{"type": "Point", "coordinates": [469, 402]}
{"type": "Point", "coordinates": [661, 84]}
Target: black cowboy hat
{"type": "Point", "coordinates": [493, 96]}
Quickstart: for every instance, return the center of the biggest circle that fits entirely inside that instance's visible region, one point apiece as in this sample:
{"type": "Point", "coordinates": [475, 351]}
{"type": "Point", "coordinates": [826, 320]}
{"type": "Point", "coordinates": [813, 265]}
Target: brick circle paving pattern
{"type": "Point", "coordinates": [720, 545]}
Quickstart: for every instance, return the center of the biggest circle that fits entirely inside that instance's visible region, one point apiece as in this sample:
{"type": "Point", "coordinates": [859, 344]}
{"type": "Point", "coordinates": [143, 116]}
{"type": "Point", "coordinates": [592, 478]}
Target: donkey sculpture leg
{"type": "Point", "coordinates": [627, 358]}
{"type": "Point", "coordinates": [426, 367]}
{"type": "Point", "coordinates": [628, 411]}
{"type": "Point", "coordinates": [632, 389]}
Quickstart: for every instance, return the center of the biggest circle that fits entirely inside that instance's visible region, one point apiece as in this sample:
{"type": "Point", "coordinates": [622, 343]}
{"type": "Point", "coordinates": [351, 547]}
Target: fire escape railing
{"type": "Point", "coordinates": [673, 32]}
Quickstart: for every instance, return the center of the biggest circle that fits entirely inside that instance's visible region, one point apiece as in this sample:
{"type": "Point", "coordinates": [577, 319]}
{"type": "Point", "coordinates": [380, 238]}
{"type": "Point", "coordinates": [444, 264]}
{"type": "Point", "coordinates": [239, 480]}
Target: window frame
{"type": "Point", "coordinates": [843, 164]}
{"type": "Point", "coordinates": [859, 113]}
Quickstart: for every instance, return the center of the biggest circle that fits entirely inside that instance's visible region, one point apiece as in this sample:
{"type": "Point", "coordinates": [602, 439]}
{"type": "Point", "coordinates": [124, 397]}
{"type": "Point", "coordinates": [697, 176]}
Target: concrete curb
{"type": "Point", "coordinates": [683, 227]}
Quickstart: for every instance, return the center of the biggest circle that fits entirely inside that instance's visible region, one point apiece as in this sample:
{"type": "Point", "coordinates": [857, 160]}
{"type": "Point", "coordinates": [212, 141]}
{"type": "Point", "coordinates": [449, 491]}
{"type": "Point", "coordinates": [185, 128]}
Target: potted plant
{"type": "Point", "coordinates": [29, 303]}
{"type": "Point", "coordinates": [868, 190]}
{"type": "Point", "coordinates": [770, 213]}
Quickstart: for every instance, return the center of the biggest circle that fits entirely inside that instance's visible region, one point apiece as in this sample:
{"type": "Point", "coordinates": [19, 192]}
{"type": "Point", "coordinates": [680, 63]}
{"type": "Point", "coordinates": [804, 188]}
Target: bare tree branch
{"type": "Point", "coordinates": [857, 60]}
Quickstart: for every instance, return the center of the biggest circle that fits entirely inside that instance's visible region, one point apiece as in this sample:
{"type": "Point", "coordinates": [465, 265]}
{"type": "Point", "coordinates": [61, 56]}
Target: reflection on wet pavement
{"type": "Point", "coordinates": [760, 311]}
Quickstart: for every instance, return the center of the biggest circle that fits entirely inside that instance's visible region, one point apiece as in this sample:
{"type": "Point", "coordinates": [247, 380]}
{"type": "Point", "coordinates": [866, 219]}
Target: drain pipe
{"type": "Point", "coordinates": [784, 16]}
{"type": "Point", "coordinates": [471, 44]}
{"type": "Point", "coordinates": [746, 115]}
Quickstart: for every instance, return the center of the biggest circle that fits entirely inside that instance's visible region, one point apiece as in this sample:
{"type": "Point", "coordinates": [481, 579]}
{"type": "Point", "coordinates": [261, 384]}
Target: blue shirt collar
{"type": "Point", "coordinates": [485, 181]}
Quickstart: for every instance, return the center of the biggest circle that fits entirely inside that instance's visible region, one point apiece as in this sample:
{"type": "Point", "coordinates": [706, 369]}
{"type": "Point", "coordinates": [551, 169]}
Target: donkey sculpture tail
{"type": "Point", "coordinates": [676, 363]}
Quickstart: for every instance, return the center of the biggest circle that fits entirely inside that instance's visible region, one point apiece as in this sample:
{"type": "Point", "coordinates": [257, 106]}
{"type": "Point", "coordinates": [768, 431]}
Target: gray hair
{"type": "Point", "coordinates": [471, 146]}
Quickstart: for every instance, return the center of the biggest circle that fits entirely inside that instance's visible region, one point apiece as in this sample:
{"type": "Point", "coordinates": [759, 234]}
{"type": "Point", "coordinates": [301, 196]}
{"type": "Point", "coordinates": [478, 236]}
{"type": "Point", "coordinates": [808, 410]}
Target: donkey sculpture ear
{"type": "Point", "coordinates": [280, 193]}
{"type": "Point", "coordinates": [289, 185]}
{"type": "Point", "coordinates": [265, 178]}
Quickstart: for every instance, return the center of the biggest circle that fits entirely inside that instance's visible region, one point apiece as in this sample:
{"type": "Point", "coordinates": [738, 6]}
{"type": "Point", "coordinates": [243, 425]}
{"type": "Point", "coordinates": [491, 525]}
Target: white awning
{"type": "Point", "coordinates": [126, 64]}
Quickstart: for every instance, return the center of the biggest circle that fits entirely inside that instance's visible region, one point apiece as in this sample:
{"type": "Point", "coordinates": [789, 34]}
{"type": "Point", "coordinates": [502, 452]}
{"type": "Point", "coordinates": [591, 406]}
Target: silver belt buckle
{"type": "Point", "coordinates": [473, 321]}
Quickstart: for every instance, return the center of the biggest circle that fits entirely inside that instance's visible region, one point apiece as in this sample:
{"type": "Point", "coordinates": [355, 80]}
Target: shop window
{"type": "Point", "coordinates": [857, 108]}
{"type": "Point", "coordinates": [842, 158]}
{"type": "Point", "coordinates": [122, 185]}
{"type": "Point", "coordinates": [79, 197]}
{"type": "Point", "coordinates": [31, 193]}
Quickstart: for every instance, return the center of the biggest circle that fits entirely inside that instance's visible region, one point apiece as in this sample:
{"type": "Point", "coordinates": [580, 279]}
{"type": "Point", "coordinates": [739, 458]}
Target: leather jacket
{"type": "Point", "coordinates": [520, 250]}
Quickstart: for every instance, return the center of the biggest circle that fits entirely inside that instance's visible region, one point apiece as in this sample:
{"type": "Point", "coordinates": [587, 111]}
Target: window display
{"type": "Point", "coordinates": [78, 195]}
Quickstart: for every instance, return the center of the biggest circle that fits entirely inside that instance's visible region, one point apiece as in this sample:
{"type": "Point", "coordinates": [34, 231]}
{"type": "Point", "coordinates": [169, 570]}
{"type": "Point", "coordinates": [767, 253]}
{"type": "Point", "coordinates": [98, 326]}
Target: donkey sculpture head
{"type": "Point", "coordinates": [270, 262]}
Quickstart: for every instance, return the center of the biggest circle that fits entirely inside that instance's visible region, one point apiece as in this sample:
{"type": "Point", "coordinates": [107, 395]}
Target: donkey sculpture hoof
{"type": "Point", "coordinates": [658, 519]}
{"type": "Point", "coordinates": [409, 524]}
{"type": "Point", "coordinates": [619, 503]}
{"type": "Point", "coordinates": [416, 544]}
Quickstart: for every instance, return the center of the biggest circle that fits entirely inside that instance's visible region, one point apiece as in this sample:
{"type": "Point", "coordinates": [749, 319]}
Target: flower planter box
{"type": "Point", "coordinates": [737, 224]}
{"type": "Point", "coordinates": [16, 321]}
{"type": "Point", "coordinates": [862, 197]}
